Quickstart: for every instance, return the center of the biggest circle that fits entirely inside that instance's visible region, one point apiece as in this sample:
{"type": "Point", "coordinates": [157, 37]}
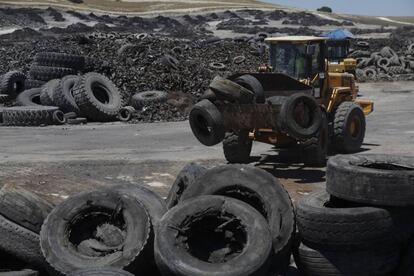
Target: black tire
{"type": "Point", "coordinates": [383, 62]}
{"type": "Point", "coordinates": [12, 83]}
{"type": "Point", "coordinates": [406, 266]}
{"type": "Point", "coordinates": [47, 90]}
{"type": "Point", "coordinates": [70, 115]}
{"type": "Point", "coordinates": [325, 224]}
{"type": "Point", "coordinates": [58, 117]}
{"type": "Point", "coordinates": [23, 207]}
{"type": "Point", "coordinates": [373, 261]}
{"type": "Point", "coordinates": [4, 98]}
{"type": "Point", "coordinates": [372, 179]}
{"type": "Point", "coordinates": [63, 95]}
{"type": "Point", "coordinates": [100, 271]}
{"type": "Point", "coordinates": [28, 115]}
{"type": "Point", "coordinates": [170, 61]}
{"type": "Point", "coordinates": [349, 127]}
{"type": "Point", "coordinates": [29, 83]}
{"type": "Point", "coordinates": [206, 122]}
{"type": "Point", "coordinates": [231, 91]}
{"type": "Point", "coordinates": [262, 191]}
{"type": "Point", "coordinates": [45, 73]}
{"type": "Point", "coordinates": [239, 59]}
{"type": "Point", "coordinates": [185, 178]}
{"type": "Point", "coordinates": [315, 149]}
{"type": "Point", "coordinates": [76, 220]}
{"type": "Point", "coordinates": [76, 121]}
{"type": "Point", "coordinates": [370, 73]}
{"type": "Point", "coordinates": [251, 83]}
{"type": "Point", "coordinates": [97, 97]}
{"type": "Point", "coordinates": [237, 147]}
{"type": "Point", "coordinates": [142, 99]}
{"type": "Point", "coordinates": [300, 127]}
{"type": "Point", "coordinates": [29, 97]}
{"type": "Point", "coordinates": [217, 66]}
{"type": "Point", "coordinates": [207, 236]}
{"type": "Point", "coordinates": [126, 113]}
{"type": "Point", "coordinates": [52, 59]}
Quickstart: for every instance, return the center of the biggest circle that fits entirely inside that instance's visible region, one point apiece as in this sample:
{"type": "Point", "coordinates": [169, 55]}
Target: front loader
{"type": "Point", "coordinates": [295, 100]}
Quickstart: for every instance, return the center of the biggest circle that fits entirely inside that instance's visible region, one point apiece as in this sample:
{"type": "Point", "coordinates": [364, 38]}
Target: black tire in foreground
{"type": "Point", "coordinates": [231, 91]}
{"type": "Point", "coordinates": [53, 59]}
{"type": "Point", "coordinates": [30, 97]}
{"type": "Point", "coordinates": [97, 97]}
{"type": "Point", "coordinates": [63, 95]}
{"type": "Point", "coordinates": [46, 95]}
{"type": "Point", "coordinates": [185, 178]}
{"type": "Point", "coordinates": [374, 261]}
{"type": "Point", "coordinates": [146, 98]}
{"type": "Point", "coordinates": [206, 122]}
{"type": "Point", "coordinates": [100, 271]}
{"type": "Point", "coordinates": [349, 127]}
{"type": "Point", "coordinates": [75, 223]}
{"type": "Point", "coordinates": [213, 235]}
{"type": "Point", "coordinates": [251, 83]}
{"type": "Point", "coordinates": [237, 147]}
{"type": "Point", "coordinates": [45, 73]}
{"type": "Point", "coordinates": [325, 224]}
{"type": "Point", "coordinates": [263, 192]}
{"type": "Point", "coordinates": [315, 149]}
{"type": "Point", "coordinates": [28, 115]}
{"type": "Point", "coordinates": [12, 83]}
{"type": "Point", "coordinates": [386, 180]}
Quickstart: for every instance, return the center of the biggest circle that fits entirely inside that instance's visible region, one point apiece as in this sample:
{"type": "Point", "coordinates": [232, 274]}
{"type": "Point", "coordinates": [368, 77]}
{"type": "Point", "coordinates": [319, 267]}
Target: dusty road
{"type": "Point", "coordinates": [58, 161]}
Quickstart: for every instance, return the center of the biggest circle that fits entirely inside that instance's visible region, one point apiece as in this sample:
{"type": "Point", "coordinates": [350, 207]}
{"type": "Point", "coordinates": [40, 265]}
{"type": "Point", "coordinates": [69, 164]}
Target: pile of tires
{"type": "Point", "coordinates": [362, 224]}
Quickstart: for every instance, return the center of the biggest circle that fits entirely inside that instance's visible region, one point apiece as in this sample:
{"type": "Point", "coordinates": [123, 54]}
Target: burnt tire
{"type": "Point", "coordinates": [185, 178]}
{"type": "Point", "coordinates": [372, 179]}
{"type": "Point", "coordinates": [146, 98]}
{"type": "Point", "coordinates": [126, 113]}
{"type": "Point", "coordinates": [63, 94]}
{"type": "Point", "coordinates": [12, 83]}
{"type": "Point", "coordinates": [262, 191]}
{"type": "Point", "coordinates": [23, 207]}
{"type": "Point", "coordinates": [47, 90]}
{"type": "Point", "coordinates": [97, 97]}
{"type": "Point", "coordinates": [315, 149]}
{"type": "Point", "coordinates": [300, 116]}
{"type": "Point", "coordinates": [325, 224]}
{"type": "Point", "coordinates": [28, 115]}
{"type": "Point", "coordinates": [76, 220]}
{"type": "Point", "coordinates": [53, 59]}
{"type": "Point", "coordinates": [206, 122]}
{"type": "Point", "coordinates": [349, 127]}
{"type": "Point", "coordinates": [30, 97]}
{"type": "Point", "coordinates": [100, 271]}
{"type": "Point", "coordinates": [373, 261]}
{"type": "Point", "coordinates": [237, 147]}
{"type": "Point", "coordinates": [231, 91]}
{"type": "Point", "coordinates": [251, 83]}
{"type": "Point", "coordinates": [207, 236]}
{"type": "Point", "coordinates": [29, 83]}
{"type": "Point", "coordinates": [45, 73]}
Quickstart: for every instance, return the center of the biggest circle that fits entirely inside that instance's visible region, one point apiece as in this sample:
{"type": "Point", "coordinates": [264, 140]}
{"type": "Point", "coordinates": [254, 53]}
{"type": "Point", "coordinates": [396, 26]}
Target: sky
{"type": "Point", "coordinates": [358, 7]}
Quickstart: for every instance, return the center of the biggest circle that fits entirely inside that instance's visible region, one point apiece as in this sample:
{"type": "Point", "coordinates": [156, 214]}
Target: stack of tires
{"type": "Point", "coordinates": [362, 224]}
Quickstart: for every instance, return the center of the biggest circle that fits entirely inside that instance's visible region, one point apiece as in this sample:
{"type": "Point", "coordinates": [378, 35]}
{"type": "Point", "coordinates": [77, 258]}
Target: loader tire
{"type": "Point", "coordinates": [349, 127]}
{"type": "Point", "coordinates": [315, 149]}
{"type": "Point", "coordinates": [237, 147]}
{"type": "Point", "coordinates": [12, 83]}
{"type": "Point", "coordinates": [382, 180]}
{"type": "Point", "coordinates": [97, 97]}
{"type": "Point", "coordinates": [45, 73]}
{"type": "Point", "coordinates": [52, 59]}
{"type": "Point", "coordinates": [251, 83]}
{"type": "Point", "coordinates": [29, 97]}
{"type": "Point", "coordinates": [206, 122]}
{"type": "Point", "coordinates": [207, 236]}
{"type": "Point", "coordinates": [28, 115]}
{"type": "Point", "coordinates": [47, 90]}
{"type": "Point", "coordinates": [100, 271]}
{"type": "Point", "coordinates": [185, 178]}
{"type": "Point", "coordinates": [231, 91]}
{"type": "Point", "coordinates": [63, 94]}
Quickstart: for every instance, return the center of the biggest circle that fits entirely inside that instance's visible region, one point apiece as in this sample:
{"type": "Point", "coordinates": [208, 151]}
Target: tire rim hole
{"type": "Point", "coordinates": [302, 114]}
{"type": "Point", "coordinates": [36, 99]}
{"type": "Point", "coordinates": [203, 126]}
{"type": "Point", "coordinates": [124, 113]}
{"type": "Point", "coordinates": [101, 93]}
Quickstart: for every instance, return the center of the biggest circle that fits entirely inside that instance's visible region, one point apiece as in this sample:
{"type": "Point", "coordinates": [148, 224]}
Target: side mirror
{"type": "Point", "coordinates": [310, 50]}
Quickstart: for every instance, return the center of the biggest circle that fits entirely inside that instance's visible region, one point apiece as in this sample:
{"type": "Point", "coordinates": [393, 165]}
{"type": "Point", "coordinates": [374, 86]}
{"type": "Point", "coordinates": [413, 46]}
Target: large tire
{"type": "Point", "coordinates": [12, 83]}
{"type": "Point", "coordinates": [100, 271]}
{"type": "Point", "coordinates": [29, 97]}
{"type": "Point", "coordinates": [142, 99]}
{"type": "Point", "coordinates": [23, 207]}
{"type": "Point", "coordinates": [262, 191]}
{"type": "Point", "coordinates": [46, 95]}
{"type": "Point", "coordinates": [237, 147]}
{"type": "Point", "coordinates": [372, 179]}
{"type": "Point", "coordinates": [63, 95]}
{"type": "Point", "coordinates": [251, 83]}
{"type": "Point", "coordinates": [349, 127]}
{"type": "Point", "coordinates": [207, 236]}
{"type": "Point", "coordinates": [77, 219]}
{"type": "Point", "coordinates": [300, 116]}
{"type": "Point", "coordinates": [206, 122]}
{"type": "Point", "coordinates": [325, 224]}
{"type": "Point", "coordinates": [374, 261]}
{"type": "Point", "coordinates": [315, 149]}
{"type": "Point", "coordinates": [185, 178]}
{"type": "Point", "coordinates": [28, 115]}
{"type": "Point", "coordinates": [45, 73]}
{"type": "Point", "coordinates": [52, 59]}
{"type": "Point", "coordinates": [97, 97]}
{"type": "Point", "coordinates": [231, 91]}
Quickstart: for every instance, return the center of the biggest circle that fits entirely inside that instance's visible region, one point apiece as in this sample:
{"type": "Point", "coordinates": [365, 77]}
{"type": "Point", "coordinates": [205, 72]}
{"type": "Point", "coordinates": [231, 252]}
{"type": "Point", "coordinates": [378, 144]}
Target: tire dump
{"type": "Point", "coordinates": [240, 77]}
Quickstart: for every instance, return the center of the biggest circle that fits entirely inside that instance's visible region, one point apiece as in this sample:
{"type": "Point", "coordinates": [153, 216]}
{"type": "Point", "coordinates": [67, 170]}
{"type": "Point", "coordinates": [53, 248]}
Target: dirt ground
{"type": "Point", "coordinates": [56, 162]}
